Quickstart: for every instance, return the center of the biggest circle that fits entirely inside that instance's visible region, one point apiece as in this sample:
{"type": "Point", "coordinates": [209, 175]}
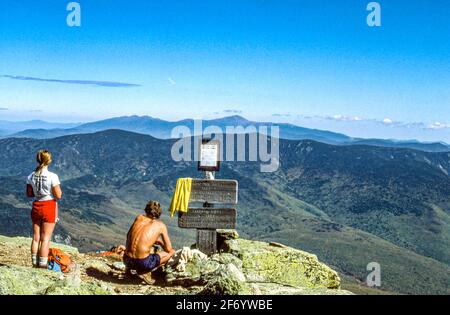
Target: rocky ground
{"type": "Point", "coordinates": [241, 267]}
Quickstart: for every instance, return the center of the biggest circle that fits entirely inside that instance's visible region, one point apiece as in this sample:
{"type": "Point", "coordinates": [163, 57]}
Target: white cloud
{"type": "Point", "coordinates": [384, 122]}
{"type": "Point", "coordinates": [171, 81]}
{"type": "Point", "coordinates": [344, 118]}
{"type": "Point", "coordinates": [438, 126]}
{"type": "Point", "coordinates": [281, 115]}
{"type": "Point", "coordinates": [232, 111]}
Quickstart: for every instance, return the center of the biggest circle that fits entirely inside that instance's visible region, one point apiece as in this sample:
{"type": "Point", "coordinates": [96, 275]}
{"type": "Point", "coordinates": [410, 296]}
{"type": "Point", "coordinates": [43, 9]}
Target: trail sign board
{"type": "Point", "coordinates": [208, 218]}
{"type": "Point", "coordinates": [214, 191]}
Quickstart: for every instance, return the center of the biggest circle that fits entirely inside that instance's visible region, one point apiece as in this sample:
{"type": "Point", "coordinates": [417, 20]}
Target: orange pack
{"type": "Point", "coordinates": [61, 258]}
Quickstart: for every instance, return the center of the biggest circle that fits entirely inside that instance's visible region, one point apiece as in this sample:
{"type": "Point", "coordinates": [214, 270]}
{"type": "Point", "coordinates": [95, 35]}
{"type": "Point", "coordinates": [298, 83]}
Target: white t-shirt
{"type": "Point", "coordinates": [42, 184]}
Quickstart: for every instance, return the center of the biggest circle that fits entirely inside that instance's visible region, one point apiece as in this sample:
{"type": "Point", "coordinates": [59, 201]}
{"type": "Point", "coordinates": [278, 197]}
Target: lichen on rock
{"type": "Point", "coordinates": [227, 280]}
{"type": "Point", "coordinates": [19, 280]}
{"type": "Point", "coordinates": [262, 262]}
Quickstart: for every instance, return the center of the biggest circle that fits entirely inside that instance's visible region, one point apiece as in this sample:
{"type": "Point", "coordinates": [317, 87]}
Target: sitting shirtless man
{"type": "Point", "coordinates": [143, 234]}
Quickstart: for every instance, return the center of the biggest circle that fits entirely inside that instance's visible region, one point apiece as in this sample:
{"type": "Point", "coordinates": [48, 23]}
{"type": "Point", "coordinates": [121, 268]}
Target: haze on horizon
{"type": "Point", "coordinates": [311, 63]}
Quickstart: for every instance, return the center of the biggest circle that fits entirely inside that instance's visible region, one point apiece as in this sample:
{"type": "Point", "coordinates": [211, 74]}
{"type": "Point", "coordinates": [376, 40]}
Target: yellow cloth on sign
{"type": "Point", "coordinates": [181, 195]}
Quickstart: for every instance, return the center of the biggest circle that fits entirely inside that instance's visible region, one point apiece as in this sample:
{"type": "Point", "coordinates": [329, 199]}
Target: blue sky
{"type": "Point", "coordinates": [313, 63]}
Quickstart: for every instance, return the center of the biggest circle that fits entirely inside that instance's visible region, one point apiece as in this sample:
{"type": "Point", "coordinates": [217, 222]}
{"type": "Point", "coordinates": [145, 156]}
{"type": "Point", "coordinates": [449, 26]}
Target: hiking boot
{"type": "Point", "coordinates": [147, 278]}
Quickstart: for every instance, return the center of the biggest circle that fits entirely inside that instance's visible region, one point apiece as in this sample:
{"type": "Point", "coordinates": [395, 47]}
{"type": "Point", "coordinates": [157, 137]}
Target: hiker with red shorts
{"type": "Point", "coordinates": [44, 187]}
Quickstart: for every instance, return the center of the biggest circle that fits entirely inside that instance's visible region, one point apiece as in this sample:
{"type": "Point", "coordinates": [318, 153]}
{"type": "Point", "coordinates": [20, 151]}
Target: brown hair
{"type": "Point", "coordinates": [44, 158]}
{"type": "Point", "coordinates": [153, 209]}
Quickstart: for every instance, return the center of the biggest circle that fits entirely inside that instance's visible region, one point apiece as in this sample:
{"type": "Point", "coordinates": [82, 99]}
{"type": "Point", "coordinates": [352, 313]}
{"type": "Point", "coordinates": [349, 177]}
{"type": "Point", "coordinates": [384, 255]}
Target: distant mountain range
{"type": "Point", "coordinates": [350, 205]}
{"type": "Point", "coordinates": [13, 127]}
{"type": "Point", "coordinates": [162, 129]}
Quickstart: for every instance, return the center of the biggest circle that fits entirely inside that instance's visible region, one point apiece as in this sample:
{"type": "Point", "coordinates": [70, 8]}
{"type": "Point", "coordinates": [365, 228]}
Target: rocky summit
{"type": "Point", "coordinates": [242, 267]}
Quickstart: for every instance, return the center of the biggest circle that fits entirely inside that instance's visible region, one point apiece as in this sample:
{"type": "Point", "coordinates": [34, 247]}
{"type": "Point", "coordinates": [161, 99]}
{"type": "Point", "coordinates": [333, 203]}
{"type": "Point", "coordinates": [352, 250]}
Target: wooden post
{"type": "Point", "coordinates": [207, 238]}
{"type": "Point", "coordinates": [207, 241]}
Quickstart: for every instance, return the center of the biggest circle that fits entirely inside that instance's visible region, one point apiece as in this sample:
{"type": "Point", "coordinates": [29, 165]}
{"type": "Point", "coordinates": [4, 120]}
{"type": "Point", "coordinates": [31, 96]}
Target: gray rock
{"type": "Point", "coordinates": [224, 235]}
{"type": "Point", "coordinates": [195, 272]}
{"type": "Point", "coordinates": [226, 258]}
{"type": "Point", "coordinates": [231, 247]}
{"type": "Point", "coordinates": [228, 234]}
{"type": "Point", "coordinates": [279, 289]}
{"type": "Point", "coordinates": [227, 280]}
{"type": "Point", "coordinates": [262, 262]}
{"type": "Point", "coordinates": [18, 280]}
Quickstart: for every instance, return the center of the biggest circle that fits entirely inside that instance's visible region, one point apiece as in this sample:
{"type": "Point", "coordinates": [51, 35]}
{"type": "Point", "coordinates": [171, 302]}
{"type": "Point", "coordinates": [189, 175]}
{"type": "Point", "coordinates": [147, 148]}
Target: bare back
{"type": "Point", "coordinates": [142, 235]}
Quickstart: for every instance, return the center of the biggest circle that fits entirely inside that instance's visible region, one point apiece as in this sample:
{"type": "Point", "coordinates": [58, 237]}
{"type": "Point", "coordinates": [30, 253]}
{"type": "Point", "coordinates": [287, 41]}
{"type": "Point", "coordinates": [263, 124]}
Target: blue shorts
{"type": "Point", "coordinates": [143, 265]}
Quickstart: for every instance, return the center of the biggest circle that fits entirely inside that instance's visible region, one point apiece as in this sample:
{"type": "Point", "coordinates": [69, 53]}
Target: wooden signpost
{"type": "Point", "coordinates": [207, 219]}
{"type": "Point", "coordinates": [209, 192]}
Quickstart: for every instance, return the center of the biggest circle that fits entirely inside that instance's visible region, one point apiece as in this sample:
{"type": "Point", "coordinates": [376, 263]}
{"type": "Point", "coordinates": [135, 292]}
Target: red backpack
{"type": "Point", "coordinates": [59, 257]}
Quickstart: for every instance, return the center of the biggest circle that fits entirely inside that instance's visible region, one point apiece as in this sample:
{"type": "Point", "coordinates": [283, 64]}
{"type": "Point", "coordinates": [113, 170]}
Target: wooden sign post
{"type": "Point", "coordinates": [209, 192]}
{"type": "Point", "coordinates": [207, 219]}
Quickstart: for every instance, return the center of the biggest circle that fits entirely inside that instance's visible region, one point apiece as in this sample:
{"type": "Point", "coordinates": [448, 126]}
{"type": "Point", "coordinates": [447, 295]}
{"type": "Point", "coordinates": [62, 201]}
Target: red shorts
{"type": "Point", "coordinates": [44, 211]}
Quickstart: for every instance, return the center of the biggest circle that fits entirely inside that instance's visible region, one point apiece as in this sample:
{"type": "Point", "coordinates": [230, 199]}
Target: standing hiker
{"type": "Point", "coordinates": [44, 187]}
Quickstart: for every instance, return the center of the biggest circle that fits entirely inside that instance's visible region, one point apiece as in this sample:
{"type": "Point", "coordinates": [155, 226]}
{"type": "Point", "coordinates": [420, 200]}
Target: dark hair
{"type": "Point", "coordinates": [153, 209]}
